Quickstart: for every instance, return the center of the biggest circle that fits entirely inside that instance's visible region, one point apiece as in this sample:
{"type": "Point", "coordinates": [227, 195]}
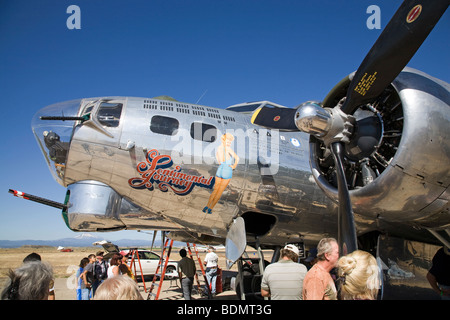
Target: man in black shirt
{"type": "Point", "coordinates": [100, 271]}
{"type": "Point", "coordinates": [439, 274]}
{"type": "Point", "coordinates": [187, 266]}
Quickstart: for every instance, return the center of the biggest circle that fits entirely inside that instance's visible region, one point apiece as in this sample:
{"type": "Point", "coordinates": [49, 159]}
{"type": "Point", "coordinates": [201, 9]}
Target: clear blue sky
{"type": "Point", "coordinates": [234, 50]}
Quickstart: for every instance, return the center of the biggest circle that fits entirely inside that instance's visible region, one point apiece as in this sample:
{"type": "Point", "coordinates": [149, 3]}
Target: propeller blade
{"type": "Point", "coordinates": [275, 118]}
{"type": "Point", "coordinates": [346, 222]}
{"type": "Point", "coordinates": [398, 42]}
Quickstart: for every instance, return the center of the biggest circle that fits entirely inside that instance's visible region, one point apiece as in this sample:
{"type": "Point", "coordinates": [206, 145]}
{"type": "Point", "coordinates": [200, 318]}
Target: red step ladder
{"type": "Point", "coordinates": [162, 265]}
{"type": "Point", "coordinates": [135, 253]}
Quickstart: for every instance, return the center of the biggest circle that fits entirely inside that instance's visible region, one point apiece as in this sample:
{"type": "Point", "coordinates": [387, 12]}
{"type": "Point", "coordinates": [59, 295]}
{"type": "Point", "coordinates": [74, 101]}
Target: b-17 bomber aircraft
{"type": "Point", "coordinates": [368, 165]}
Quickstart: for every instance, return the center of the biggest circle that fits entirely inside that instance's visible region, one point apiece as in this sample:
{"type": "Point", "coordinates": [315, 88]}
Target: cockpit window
{"type": "Point", "coordinates": [164, 125]}
{"type": "Point", "coordinates": [203, 132]}
{"type": "Point", "coordinates": [109, 114]}
{"type": "Point", "coordinates": [87, 109]}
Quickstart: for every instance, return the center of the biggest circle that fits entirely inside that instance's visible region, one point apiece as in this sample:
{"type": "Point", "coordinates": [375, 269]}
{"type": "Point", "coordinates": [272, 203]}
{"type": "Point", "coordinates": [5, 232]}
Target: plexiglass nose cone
{"type": "Point", "coordinates": [53, 136]}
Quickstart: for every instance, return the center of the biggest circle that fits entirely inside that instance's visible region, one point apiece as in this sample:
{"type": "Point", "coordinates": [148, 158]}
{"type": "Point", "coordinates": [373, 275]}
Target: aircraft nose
{"type": "Point", "coordinates": [53, 127]}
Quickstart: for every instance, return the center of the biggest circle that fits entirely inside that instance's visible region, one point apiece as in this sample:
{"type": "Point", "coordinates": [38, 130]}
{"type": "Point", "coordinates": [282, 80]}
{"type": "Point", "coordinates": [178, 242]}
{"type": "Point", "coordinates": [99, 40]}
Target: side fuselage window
{"type": "Point", "coordinates": [164, 125]}
{"type": "Point", "coordinates": [203, 132]}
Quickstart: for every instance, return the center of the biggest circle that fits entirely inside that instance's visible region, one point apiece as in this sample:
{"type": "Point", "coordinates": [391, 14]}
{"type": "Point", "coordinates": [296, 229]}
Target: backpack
{"type": "Point", "coordinates": [99, 272]}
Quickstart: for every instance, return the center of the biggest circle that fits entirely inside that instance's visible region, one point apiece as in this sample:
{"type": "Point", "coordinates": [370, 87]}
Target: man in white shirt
{"type": "Point", "coordinates": [210, 262]}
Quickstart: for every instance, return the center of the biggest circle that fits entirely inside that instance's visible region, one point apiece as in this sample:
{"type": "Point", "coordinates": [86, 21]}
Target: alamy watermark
{"type": "Point", "coordinates": [72, 280]}
{"type": "Point", "coordinates": [74, 20]}
{"type": "Point", "coordinates": [259, 147]}
{"type": "Point", "coordinates": [374, 20]}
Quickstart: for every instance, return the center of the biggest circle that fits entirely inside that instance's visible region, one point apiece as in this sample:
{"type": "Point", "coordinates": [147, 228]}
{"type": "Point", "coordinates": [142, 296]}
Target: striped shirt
{"type": "Point", "coordinates": [284, 280]}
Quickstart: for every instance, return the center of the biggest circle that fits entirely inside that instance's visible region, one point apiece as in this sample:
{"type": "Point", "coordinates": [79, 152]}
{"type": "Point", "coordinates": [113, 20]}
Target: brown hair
{"type": "Point", "coordinates": [116, 259]}
{"type": "Point", "coordinates": [289, 254]}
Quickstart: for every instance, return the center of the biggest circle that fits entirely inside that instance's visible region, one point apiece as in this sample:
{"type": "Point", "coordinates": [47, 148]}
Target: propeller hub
{"type": "Point", "coordinates": [328, 125]}
{"type": "Point", "coordinates": [313, 119]}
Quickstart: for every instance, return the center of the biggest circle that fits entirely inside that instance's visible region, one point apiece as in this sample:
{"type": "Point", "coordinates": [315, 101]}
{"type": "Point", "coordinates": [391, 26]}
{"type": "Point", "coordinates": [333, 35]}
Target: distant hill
{"type": "Point", "coordinates": [83, 240]}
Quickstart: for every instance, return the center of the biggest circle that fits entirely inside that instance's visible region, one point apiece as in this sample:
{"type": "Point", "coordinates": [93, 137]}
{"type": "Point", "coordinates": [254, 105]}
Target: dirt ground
{"type": "Point", "coordinates": [65, 264]}
{"type": "Point", "coordinates": [62, 262]}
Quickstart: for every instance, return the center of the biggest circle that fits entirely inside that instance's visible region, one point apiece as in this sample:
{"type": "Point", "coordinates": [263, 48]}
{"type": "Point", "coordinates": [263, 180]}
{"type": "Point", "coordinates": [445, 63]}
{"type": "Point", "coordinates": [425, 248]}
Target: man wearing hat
{"type": "Point", "coordinates": [283, 280]}
{"type": "Point", "coordinates": [210, 262]}
{"type": "Point", "coordinates": [100, 271]}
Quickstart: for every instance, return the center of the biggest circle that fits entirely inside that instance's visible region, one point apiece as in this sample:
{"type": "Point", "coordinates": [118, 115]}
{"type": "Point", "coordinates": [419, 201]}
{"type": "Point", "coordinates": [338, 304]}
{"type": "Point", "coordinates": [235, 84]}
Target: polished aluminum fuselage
{"type": "Point", "coordinates": [273, 186]}
{"type": "Point", "coordinates": [290, 194]}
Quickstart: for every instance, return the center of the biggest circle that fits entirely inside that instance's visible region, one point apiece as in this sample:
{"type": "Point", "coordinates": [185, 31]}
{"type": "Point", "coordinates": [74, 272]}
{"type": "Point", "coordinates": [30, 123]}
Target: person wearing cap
{"type": "Point", "coordinates": [211, 260]}
{"type": "Point", "coordinates": [283, 280]}
{"type": "Point", "coordinates": [318, 283]}
{"type": "Point", "coordinates": [100, 271]}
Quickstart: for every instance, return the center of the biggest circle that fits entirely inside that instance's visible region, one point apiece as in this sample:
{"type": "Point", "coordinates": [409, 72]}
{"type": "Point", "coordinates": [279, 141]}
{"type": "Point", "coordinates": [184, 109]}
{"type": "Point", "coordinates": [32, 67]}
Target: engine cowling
{"type": "Point", "coordinates": [404, 175]}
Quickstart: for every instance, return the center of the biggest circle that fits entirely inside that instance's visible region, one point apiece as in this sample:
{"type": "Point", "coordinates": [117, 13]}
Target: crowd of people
{"type": "Point", "coordinates": [329, 276]}
{"type": "Point", "coordinates": [357, 276]}
{"type": "Point", "coordinates": [323, 275]}
{"type": "Point", "coordinates": [96, 279]}
{"type": "Point", "coordinates": [100, 280]}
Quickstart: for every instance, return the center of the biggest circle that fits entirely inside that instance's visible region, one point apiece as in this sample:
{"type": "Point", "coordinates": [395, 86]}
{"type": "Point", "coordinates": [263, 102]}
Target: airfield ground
{"type": "Point", "coordinates": [65, 265]}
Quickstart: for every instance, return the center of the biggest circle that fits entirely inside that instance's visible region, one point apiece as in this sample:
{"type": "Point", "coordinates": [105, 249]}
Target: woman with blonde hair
{"type": "Point", "coordinates": [359, 275]}
{"type": "Point", "coordinates": [120, 287]}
